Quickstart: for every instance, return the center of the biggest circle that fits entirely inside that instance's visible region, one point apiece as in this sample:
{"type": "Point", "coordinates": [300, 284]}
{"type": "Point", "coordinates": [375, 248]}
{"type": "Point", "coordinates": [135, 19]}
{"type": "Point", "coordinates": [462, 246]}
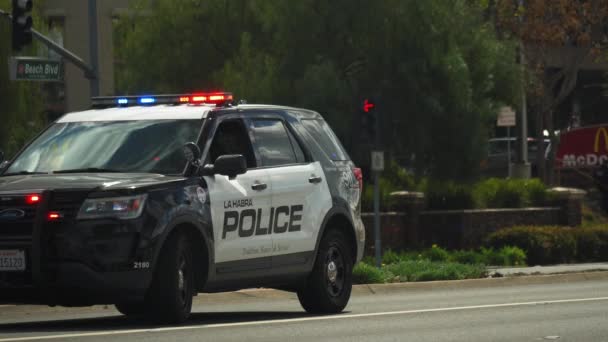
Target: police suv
{"type": "Point", "coordinates": [143, 202]}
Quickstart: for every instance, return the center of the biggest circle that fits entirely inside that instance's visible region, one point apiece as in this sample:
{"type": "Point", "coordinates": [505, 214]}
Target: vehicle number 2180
{"type": "Point", "coordinates": [141, 264]}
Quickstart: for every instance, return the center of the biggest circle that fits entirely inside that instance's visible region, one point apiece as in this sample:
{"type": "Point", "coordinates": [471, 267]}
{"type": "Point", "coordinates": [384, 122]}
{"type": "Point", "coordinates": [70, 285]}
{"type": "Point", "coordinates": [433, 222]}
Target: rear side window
{"type": "Point", "coordinates": [325, 138]}
{"type": "Point", "coordinates": [273, 143]}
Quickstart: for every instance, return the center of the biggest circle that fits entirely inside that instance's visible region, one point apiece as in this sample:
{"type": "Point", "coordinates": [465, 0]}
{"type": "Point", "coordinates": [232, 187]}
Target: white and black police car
{"type": "Point", "coordinates": [143, 202]}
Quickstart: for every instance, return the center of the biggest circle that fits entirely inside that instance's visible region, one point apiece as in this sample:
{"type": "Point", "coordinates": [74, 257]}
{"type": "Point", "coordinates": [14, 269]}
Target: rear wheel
{"type": "Point", "coordinates": [169, 299]}
{"type": "Point", "coordinates": [329, 285]}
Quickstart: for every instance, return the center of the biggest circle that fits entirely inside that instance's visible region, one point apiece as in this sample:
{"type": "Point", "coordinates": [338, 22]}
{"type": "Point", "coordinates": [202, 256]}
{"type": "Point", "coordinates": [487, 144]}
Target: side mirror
{"type": "Point", "coordinates": [192, 153]}
{"type": "Point", "coordinates": [230, 165]}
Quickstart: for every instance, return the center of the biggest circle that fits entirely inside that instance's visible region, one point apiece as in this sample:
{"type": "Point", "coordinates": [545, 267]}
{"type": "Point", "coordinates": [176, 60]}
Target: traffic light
{"type": "Point", "coordinates": [22, 23]}
{"type": "Point", "coordinates": [370, 117]}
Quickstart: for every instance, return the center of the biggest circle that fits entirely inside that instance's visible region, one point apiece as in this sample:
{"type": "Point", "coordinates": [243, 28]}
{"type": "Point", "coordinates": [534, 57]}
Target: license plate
{"type": "Point", "coordinates": [12, 260]}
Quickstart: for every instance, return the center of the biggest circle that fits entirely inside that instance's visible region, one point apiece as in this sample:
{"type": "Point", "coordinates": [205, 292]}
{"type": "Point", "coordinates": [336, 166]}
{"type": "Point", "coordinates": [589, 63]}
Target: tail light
{"type": "Point", "coordinates": [359, 176]}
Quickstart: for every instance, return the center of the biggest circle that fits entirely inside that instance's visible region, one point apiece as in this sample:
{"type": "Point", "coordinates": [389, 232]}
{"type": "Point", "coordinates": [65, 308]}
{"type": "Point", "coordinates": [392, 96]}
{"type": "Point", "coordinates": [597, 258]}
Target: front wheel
{"type": "Point", "coordinates": [328, 287]}
{"type": "Point", "coordinates": [169, 299]}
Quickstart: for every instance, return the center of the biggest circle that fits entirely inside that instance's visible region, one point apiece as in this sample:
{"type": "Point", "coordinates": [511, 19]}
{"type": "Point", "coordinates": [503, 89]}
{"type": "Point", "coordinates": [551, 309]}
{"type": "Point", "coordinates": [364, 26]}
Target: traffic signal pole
{"type": "Point", "coordinates": [369, 108]}
{"type": "Point", "coordinates": [378, 244]}
{"type": "Point", "coordinates": [94, 47]}
{"type": "Point", "coordinates": [89, 72]}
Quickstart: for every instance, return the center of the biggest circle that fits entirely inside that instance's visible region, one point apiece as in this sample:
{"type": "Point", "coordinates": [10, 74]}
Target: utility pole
{"type": "Point", "coordinates": [522, 169]}
{"type": "Point", "coordinates": [94, 47]}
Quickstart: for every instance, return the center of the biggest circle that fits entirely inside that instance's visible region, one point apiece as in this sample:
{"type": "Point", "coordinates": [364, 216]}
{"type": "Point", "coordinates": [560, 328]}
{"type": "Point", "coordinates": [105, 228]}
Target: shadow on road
{"type": "Point", "coordinates": [128, 323]}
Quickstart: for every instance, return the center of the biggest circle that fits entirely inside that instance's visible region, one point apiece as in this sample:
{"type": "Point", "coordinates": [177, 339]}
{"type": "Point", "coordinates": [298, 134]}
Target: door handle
{"type": "Point", "coordinates": [315, 179]}
{"type": "Point", "coordinates": [259, 186]}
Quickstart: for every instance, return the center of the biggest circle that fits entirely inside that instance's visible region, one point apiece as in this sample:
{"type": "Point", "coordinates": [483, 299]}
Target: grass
{"type": "Point", "coordinates": [416, 270]}
{"type": "Point", "coordinates": [435, 263]}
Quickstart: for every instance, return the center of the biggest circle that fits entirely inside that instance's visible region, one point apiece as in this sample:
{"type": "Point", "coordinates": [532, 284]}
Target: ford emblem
{"type": "Point", "coordinates": [12, 214]}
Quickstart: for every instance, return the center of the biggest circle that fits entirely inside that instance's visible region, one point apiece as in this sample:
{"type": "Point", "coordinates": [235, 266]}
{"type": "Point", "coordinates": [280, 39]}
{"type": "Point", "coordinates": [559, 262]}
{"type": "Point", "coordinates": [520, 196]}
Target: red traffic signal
{"type": "Point", "coordinates": [368, 105]}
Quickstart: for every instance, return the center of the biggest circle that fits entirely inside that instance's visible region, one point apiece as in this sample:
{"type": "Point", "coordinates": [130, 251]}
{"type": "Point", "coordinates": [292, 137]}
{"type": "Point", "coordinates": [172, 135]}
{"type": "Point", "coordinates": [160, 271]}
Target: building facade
{"type": "Point", "coordinates": [68, 25]}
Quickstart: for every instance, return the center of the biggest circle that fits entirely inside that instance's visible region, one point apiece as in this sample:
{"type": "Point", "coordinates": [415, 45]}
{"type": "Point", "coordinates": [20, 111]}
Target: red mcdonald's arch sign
{"type": "Point", "coordinates": [601, 132]}
{"type": "Point", "coordinates": [585, 147]}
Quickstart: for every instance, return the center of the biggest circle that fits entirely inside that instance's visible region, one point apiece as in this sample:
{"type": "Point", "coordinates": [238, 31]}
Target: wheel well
{"type": "Point", "coordinates": [341, 223]}
{"type": "Point", "coordinates": [200, 252]}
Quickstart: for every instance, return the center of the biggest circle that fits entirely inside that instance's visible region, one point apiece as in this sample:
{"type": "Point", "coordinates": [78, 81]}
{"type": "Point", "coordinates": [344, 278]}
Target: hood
{"type": "Point", "coordinates": [90, 181]}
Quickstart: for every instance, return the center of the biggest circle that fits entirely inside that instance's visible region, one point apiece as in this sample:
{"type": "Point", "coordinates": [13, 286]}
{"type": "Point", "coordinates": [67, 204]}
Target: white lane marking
{"type": "Point", "coordinates": [303, 319]}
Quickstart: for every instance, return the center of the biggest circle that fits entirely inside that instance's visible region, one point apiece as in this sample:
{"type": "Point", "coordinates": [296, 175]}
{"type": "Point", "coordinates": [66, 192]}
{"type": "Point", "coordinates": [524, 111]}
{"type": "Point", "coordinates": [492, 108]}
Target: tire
{"type": "Point", "coordinates": [169, 299]}
{"type": "Point", "coordinates": [131, 308]}
{"type": "Point", "coordinates": [328, 287]}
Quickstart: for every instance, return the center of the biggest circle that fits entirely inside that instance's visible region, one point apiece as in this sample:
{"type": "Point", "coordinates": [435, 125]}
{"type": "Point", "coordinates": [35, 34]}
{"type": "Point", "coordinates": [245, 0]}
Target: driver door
{"type": "Point", "coordinates": [240, 207]}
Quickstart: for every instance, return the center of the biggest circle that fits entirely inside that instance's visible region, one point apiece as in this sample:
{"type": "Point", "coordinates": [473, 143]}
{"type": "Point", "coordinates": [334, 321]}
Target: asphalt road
{"type": "Point", "coordinates": [567, 307]}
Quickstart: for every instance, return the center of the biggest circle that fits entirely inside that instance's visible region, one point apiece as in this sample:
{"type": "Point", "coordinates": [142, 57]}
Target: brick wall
{"type": "Point", "coordinates": [452, 229]}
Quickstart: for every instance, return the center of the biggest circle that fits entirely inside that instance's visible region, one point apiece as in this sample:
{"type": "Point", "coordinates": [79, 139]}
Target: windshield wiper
{"type": "Point", "coordinates": [88, 169]}
{"type": "Point", "coordinates": [24, 173]}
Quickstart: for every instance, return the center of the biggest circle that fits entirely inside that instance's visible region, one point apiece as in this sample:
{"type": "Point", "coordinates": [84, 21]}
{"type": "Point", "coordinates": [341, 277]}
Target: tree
{"type": "Point", "coordinates": [438, 69]}
{"type": "Point", "coordinates": [21, 104]}
{"type": "Point", "coordinates": [574, 29]}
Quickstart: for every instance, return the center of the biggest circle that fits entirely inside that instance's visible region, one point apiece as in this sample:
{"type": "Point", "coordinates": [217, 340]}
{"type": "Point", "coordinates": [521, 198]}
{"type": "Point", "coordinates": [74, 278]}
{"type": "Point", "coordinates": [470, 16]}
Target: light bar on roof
{"type": "Point", "coordinates": [151, 100]}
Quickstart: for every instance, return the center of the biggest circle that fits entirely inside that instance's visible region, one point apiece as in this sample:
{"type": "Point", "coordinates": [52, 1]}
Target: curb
{"type": "Point", "coordinates": [366, 289]}
{"type": "Point", "coordinates": [480, 283]}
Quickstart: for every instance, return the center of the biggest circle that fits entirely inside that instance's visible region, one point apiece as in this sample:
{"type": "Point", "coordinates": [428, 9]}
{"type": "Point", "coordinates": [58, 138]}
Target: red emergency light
{"type": "Point", "coordinates": [32, 199]}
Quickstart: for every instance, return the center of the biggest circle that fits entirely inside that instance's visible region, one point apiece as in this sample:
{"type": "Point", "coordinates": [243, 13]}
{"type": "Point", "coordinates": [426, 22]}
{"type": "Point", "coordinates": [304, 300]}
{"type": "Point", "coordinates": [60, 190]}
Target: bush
{"type": "Point", "coordinates": [364, 273]}
{"type": "Point", "coordinates": [551, 245]}
{"type": "Point", "coordinates": [394, 178]}
{"type": "Point", "coordinates": [436, 253]}
{"type": "Point", "coordinates": [449, 196]}
{"type": "Point", "coordinates": [509, 193]}
{"type": "Point", "coordinates": [467, 257]}
{"type": "Point", "coordinates": [390, 257]}
{"type": "Point", "coordinates": [513, 256]}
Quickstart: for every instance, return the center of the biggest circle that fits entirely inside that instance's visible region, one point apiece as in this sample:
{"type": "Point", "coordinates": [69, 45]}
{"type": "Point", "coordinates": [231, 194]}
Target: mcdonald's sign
{"type": "Point", "coordinates": [585, 147]}
{"type": "Point", "coordinates": [601, 132]}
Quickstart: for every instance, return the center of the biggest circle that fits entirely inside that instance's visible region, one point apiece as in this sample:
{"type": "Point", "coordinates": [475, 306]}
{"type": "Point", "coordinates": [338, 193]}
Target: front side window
{"type": "Point", "coordinates": [231, 138]}
{"type": "Point", "coordinates": [148, 146]}
{"type": "Point", "coordinates": [273, 143]}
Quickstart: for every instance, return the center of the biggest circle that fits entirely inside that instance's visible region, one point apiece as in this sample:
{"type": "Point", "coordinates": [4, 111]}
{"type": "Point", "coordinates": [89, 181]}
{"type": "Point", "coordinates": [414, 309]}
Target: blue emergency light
{"type": "Point", "coordinates": [147, 100]}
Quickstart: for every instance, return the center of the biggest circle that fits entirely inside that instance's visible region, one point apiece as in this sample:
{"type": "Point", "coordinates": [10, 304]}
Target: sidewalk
{"type": "Point", "coordinates": [555, 269]}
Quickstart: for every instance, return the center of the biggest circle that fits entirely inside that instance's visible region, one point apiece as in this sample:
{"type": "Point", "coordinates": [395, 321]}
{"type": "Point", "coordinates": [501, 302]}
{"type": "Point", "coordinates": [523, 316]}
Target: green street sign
{"type": "Point", "coordinates": [35, 69]}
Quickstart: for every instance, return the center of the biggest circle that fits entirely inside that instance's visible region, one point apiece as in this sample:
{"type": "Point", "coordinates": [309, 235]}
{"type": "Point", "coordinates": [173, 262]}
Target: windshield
{"type": "Point", "coordinates": [117, 146]}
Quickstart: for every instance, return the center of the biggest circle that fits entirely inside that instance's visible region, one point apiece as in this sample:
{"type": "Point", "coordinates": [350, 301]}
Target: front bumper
{"type": "Point", "coordinates": [75, 284]}
{"type": "Point", "coordinates": [77, 263]}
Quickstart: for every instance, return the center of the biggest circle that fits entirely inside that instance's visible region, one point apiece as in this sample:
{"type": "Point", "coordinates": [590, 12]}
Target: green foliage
{"type": "Point", "coordinates": [436, 253]}
{"type": "Point", "coordinates": [489, 193]}
{"type": "Point", "coordinates": [449, 196]}
{"type": "Point", "coordinates": [365, 273]}
{"type": "Point", "coordinates": [505, 256]}
{"type": "Point", "coordinates": [509, 193]}
{"type": "Point", "coordinates": [438, 67]}
{"type": "Point", "coordinates": [467, 257]}
{"type": "Point", "coordinates": [390, 257]}
{"type": "Point", "coordinates": [592, 217]}
{"type": "Point", "coordinates": [394, 178]}
{"type": "Point", "coordinates": [21, 107]}
{"type": "Point", "coordinates": [416, 270]}
{"type": "Point", "coordinates": [551, 245]}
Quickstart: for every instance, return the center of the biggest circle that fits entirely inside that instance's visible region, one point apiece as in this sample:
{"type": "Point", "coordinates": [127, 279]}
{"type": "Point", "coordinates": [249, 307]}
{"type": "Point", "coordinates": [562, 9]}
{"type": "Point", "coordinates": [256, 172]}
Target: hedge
{"type": "Point", "coordinates": [554, 245]}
